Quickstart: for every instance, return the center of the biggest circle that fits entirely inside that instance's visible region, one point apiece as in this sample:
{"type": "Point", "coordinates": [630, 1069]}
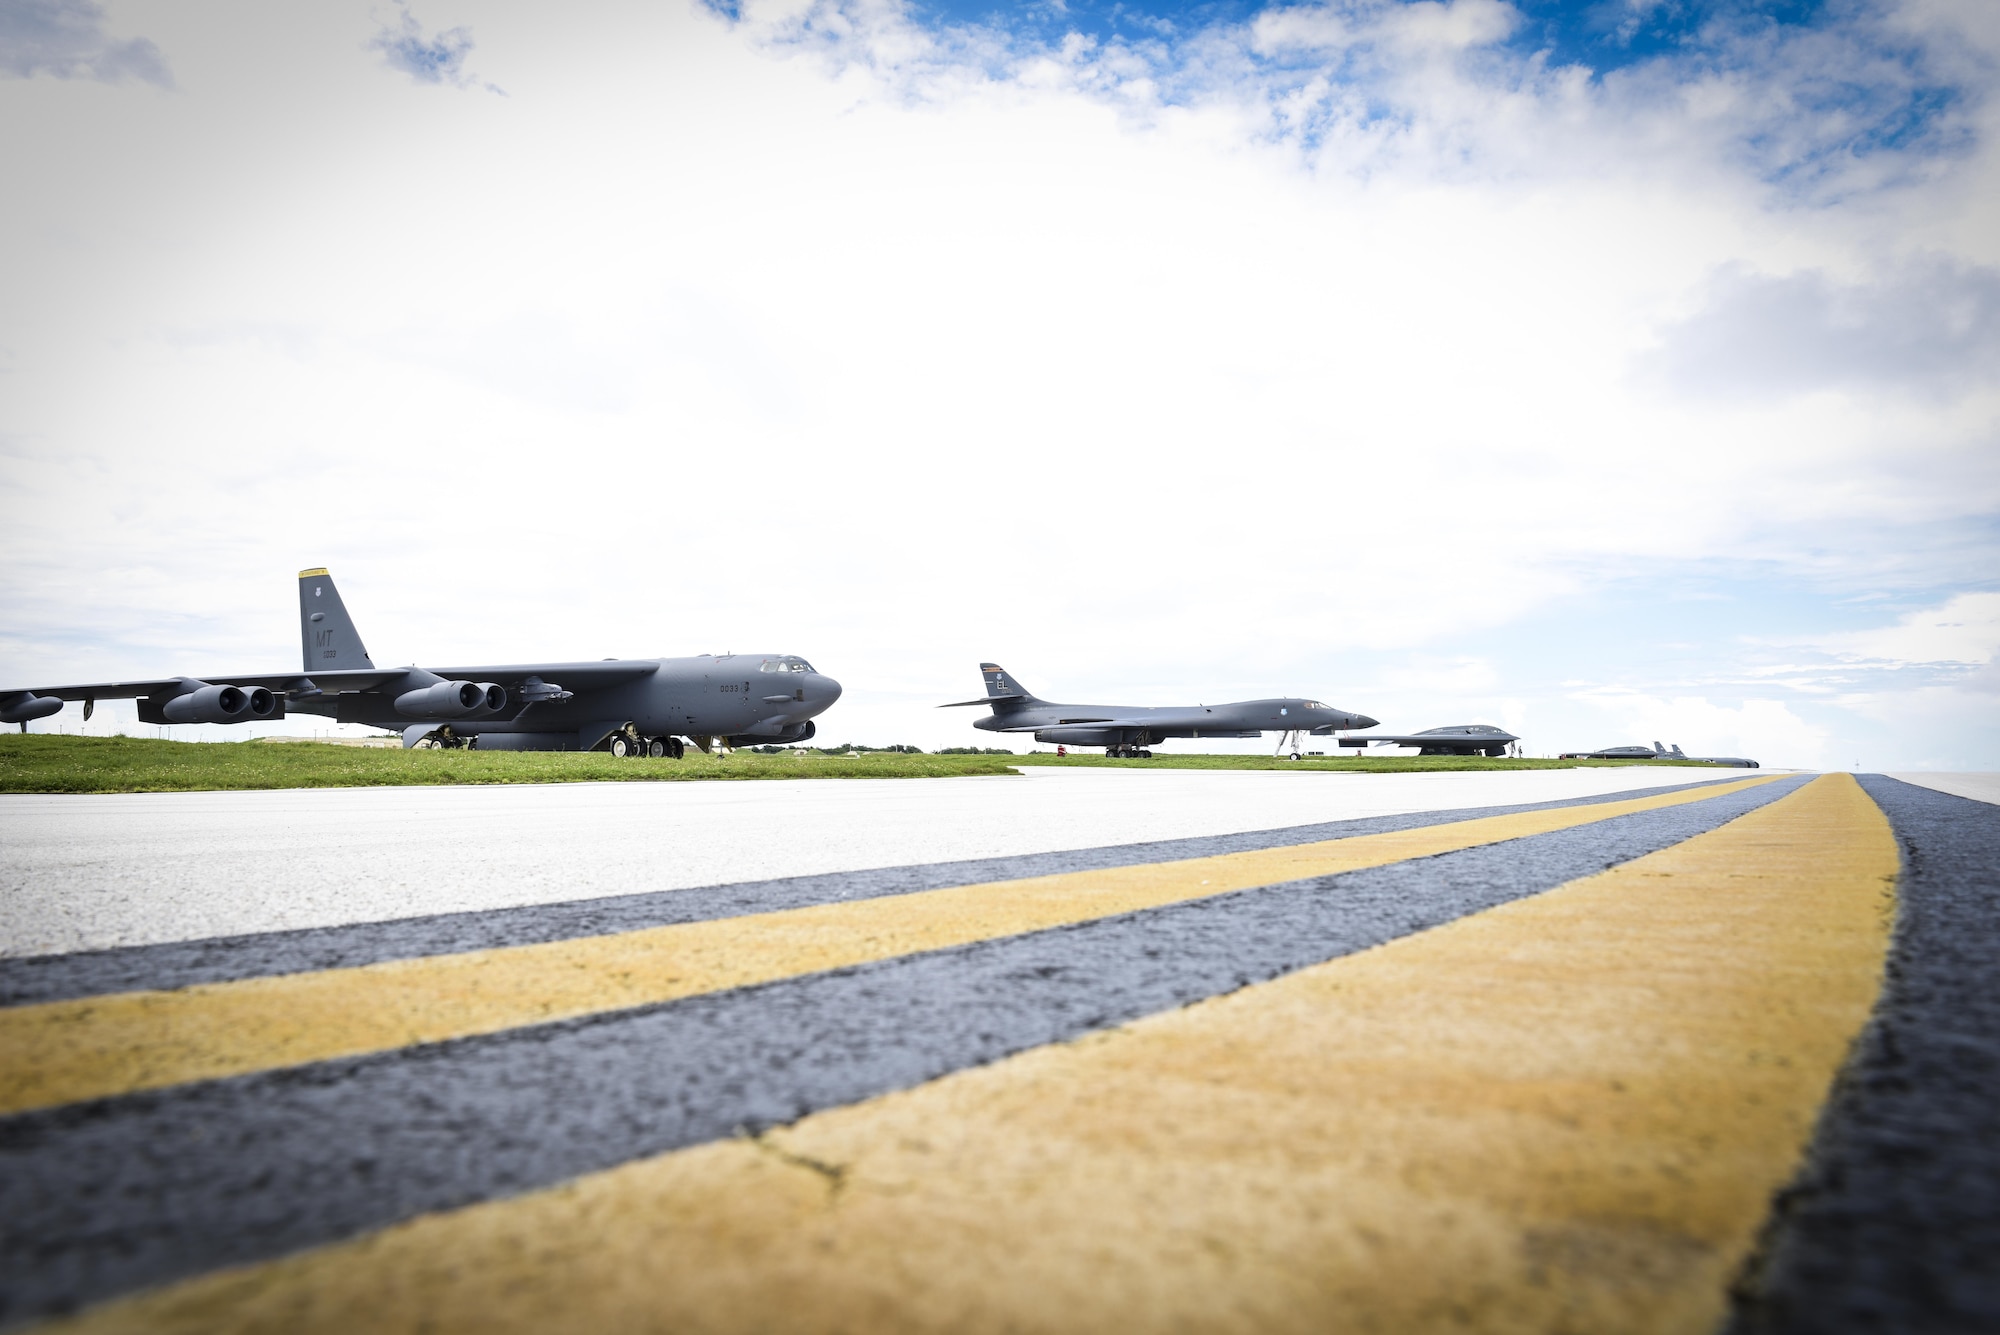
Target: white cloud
{"type": "Point", "coordinates": [66, 39]}
{"type": "Point", "coordinates": [1764, 730]}
{"type": "Point", "coordinates": [427, 58]}
{"type": "Point", "coordinates": [1965, 629]}
{"type": "Point", "coordinates": [1928, 327]}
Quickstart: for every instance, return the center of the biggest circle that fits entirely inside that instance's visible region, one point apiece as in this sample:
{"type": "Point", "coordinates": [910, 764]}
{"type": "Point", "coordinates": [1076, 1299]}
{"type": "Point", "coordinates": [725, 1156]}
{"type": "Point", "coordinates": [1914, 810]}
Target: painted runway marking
{"type": "Point", "coordinates": [1895, 1223]}
{"type": "Point", "coordinates": [1566, 1112]}
{"type": "Point", "coordinates": [69, 1051]}
{"type": "Point", "coordinates": [178, 963]}
{"type": "Point", "coordinates": [106, 1197]}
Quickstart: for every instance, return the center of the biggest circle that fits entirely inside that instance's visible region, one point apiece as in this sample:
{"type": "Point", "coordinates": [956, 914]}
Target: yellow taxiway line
{"type": "Point", "coordinates": [65, 1051]}
{"type": "Point", "coordinates": [1568, 1113]}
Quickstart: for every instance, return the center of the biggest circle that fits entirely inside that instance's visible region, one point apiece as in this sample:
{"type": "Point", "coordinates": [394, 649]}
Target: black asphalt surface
{"type": "Point", "coordinates": [27, 980]}
{"type": "Point", "coordinates": [1894, 1226]}
{"type": "Point", "coordinates": [101, 1198]}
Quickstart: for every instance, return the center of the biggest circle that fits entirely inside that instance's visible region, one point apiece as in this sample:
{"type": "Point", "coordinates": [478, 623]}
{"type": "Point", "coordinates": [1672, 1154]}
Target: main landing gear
{"type": "Point", "coordinates": [1127, 753]}
{"type": "Point", "coordinates": [1290, 740]}
{"type": "Point", "coordinates": [630, 743]}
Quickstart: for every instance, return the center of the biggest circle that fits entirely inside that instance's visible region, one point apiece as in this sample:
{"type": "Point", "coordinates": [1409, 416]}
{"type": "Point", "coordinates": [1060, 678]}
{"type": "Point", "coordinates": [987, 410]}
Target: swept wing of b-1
{"type": "Point", "coordinates": [1127, 730]}
{"type": "Point", "coordinates": [627, 706]}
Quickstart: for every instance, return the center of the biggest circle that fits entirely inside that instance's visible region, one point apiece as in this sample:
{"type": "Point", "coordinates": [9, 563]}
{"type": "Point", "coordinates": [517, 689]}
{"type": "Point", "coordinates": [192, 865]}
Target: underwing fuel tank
{"type": "Point", "coordinates": [25, 706]}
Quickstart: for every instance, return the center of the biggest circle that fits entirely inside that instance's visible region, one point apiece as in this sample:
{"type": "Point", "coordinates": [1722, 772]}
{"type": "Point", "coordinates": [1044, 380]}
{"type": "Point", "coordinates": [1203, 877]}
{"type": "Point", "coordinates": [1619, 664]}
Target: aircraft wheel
{"type": "Point", "coordinates": [676, 747]}
{"type": "Point", "coordinates": [1145, 755]}
{"type": "Point", "coordinates": [621, 745]}
{"type": "Point", "coordinates": [657, 748]}
{"type": "Point", "coordinates": [1296, 756]}
{"type": "Point", "coordinates": [429, 744]}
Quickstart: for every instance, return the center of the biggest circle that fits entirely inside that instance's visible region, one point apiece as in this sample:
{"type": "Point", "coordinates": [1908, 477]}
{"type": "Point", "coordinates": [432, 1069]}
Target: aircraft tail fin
{"type": "Point", "coordinates": [1658, 749]}
{"type": "Point", "coordinates": [1000, 685]}
{"type": "Point", "coordinates": [1002, 692]}
{"type": "Point", "coordinates": [1678, 753]}
{"type": "Point", "coordinates": [327, 637]}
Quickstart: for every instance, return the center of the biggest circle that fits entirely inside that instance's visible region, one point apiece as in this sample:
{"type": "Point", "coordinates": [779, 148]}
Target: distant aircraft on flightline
{"type": "Point", "coordinates": [1456, 739]}
{"type": "Point", "coordinates": [1128, 730]}
{"type": "Point", "coordinates": [633, 706]}
{"type": "Point", "coordinates": [1657, 752]}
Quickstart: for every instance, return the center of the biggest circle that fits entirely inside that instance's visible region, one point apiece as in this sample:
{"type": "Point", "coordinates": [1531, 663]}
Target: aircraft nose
{"type": "Point", "coordinates": [1363, 721]}
{"type": "Point", "coordinates": [825, 691]}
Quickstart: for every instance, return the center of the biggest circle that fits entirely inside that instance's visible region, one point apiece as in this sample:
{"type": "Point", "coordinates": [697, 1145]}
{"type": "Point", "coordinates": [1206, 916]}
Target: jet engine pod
{"type": "Point", "coordinates": [1086, 736]}
{"type": "Point", "coordinates": [496, 698]}
{"type": "Point", "coordinates": [217, 704]}
{"type": "Point", "coordinates": [445, 699]}
{"type": "Point", "coordinates": [20, 708]}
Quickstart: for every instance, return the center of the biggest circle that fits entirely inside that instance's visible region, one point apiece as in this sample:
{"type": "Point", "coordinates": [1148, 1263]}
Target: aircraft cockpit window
{"type": "Point", "coordinates": [786, 664]}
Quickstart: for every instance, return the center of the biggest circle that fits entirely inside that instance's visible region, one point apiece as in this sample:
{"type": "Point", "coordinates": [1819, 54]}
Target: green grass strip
{"type": "Point", "coordinates": [39, 763]}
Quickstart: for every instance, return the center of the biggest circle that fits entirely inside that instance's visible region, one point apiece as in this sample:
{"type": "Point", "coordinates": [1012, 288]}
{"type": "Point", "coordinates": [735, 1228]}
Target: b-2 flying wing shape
{"type": "Point", "coordinates": [1454, 739]}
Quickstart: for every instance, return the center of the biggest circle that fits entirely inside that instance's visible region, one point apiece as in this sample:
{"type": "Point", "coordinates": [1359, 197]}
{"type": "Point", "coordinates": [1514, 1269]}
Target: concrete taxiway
{"type": "Point", "coordinates": [1653, 1060]}
{"type": "Point", "coordinates": [87, 872]}
{"type": "Point", "coordinates": [1980, 787]}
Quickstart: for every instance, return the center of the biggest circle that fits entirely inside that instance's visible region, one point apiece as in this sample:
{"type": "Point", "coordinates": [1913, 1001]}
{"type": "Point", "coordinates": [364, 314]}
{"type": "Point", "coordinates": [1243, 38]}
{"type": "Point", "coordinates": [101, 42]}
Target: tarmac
{"type": "Point", "coordinates": [1545, 1051]}
{"type": "Point", "coordinates": [88, 872]}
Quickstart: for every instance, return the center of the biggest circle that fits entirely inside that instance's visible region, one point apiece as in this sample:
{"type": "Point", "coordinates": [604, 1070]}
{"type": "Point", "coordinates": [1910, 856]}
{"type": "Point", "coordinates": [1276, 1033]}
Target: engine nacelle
{"type": "Point", "coordinates": [1082, 736]}
{"type": "Point", "coordinates": [220, 704]}
{"type": "Point", "coordinates": [20, 708]}
{"type": "Point", "coordinates": [452, 699]}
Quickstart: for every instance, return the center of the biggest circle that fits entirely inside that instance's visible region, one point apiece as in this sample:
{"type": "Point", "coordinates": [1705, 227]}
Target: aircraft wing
{"type": "Point", "coordinates": [570, 676]}
{"type": "Point", "coordinates": [330, 682]}
{"type": "Point", "coordinates": [1078, 721]}
{"type": "Point", "coordinates": [1172, 721]}
{"type": "Point", "coordinates": [982, 700]}
{"type": "Point", "coordinates": [1433, 739]}
{"type": "Point", "coordinates": [1413, 740]}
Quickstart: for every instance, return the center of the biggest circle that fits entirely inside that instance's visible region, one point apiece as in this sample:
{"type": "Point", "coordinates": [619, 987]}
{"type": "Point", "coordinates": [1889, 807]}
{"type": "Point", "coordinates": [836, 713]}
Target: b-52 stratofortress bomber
{"type": "Point", "coordinates": [1127, 730]}
{"type": "Point", "coordinates": [631, 706]}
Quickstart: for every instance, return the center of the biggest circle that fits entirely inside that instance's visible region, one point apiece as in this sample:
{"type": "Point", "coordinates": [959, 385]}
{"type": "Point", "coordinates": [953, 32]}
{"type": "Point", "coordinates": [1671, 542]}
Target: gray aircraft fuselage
{"type": "Point", "coordinates": [1120, 727]}
{"type": "Point", "coordinates": [745, 699]}
{"type": "Point", "coordinates": [623, 704]}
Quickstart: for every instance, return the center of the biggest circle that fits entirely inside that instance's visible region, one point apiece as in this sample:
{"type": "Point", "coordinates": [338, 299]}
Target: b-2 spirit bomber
{"type": "Point", "coordinates": [1128, 730]}
{"type": "Point", "coordinates": [1657, 752]}
{"type": "Point", "coordinates": [632, 706]}
{"type": "Point", "coordinates": [1454, 739]}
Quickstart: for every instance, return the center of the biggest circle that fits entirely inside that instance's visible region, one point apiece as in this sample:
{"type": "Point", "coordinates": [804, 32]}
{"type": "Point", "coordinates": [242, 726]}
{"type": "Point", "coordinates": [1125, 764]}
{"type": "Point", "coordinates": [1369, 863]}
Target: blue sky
{"type": "Point", "coordinates": [1610, 372]}
{"type": "Point", "coordinates": [1601, 35]}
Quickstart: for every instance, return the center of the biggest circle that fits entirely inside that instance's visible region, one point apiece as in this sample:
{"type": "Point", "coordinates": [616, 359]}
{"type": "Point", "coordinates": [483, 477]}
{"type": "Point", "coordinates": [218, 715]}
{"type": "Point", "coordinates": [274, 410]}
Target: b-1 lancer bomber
{"type": "Point", "coordinates": [632, 706]}
{"type": "Point", "coordinates": [1455, 739]}
{"type": "Point", "coordinates": [1126, 731]}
